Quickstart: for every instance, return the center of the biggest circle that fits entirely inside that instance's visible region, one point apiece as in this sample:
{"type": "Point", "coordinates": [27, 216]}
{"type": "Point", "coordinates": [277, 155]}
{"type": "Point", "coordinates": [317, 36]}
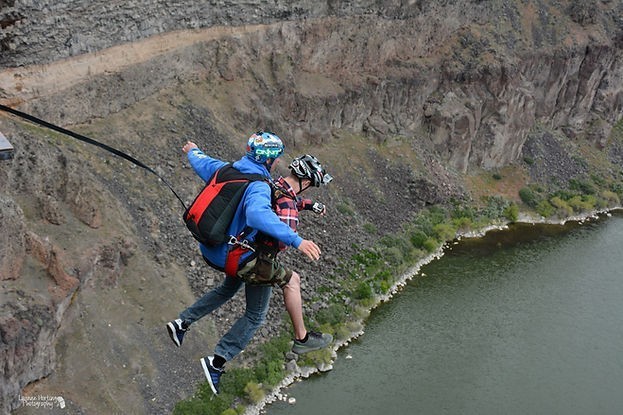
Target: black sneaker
{"type": "Point", "coordinates": [177, 329]}
{"type": "Point", "coordinates": [315, 341]}
{"type": "Point", "coordinates": [212, 374]}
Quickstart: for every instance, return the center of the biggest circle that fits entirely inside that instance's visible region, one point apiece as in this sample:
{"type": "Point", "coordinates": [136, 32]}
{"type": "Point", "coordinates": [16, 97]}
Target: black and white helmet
{"type": "Point", "coordinates": [308, 167]}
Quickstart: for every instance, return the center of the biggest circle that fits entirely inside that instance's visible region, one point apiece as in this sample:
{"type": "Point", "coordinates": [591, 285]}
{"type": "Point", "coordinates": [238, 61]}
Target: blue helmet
{"type": "Point", "coordinates": [264, 145]}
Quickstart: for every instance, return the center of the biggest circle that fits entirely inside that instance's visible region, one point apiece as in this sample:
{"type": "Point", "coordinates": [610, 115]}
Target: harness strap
{"type": "Point", "coordinates": [233, 258]}
{"type": "Point", "coordinates": [239, 247]}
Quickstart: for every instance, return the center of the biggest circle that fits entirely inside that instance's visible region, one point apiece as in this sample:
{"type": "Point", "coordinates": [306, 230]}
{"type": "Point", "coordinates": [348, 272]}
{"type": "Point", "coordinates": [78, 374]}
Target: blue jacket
{"type": "Point", "coordinates": [254, 211]}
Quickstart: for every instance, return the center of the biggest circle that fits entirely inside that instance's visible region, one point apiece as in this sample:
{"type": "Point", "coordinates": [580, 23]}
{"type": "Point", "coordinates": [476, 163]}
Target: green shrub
{"type": "Point", "coordinates": [424, 224]}
{"type": "Point", "coordinates": [333, 315]}
{"type": "Point", "coordinates": [269, 372]}
{"type": "Point", "coordinates": [384, 280]}
{"type": "Point", "coordinates": [370, 228]}
{"type": "Point", "coordinates": [236, 380]}
{"type": "Point", "coordinates": [611, 197]}
{"type": "Point", "coordinates": [497, 176]}
{"type": "Point", "coordinates": [436, 215]}
{"type": "Point", "coordinates": [445, 231]}
{"type": "Point", "coordinates": [529, 197]}
{"type": "Point", "coordinates": [342, 332]}
{"type": "Point", "coordinates": [431, 245]}
{"type": "Point", "coordinates": [463, 212]}
{"type": "Point", "coordinates": [367, 258]}
{"type": "Point", "coordinates": [399, 241]}
{"type": "Point", "coordinates": [361, 313]}
{"type": "Point", "coordinates": [528, 160]}
{"type": "Point", "coordinates": [316, 357]}
{"type": "Point", "coordinates": [384, 287]}
{"type": "Point", "coordinates": [345, 209]}
{"type": "Point", "coordinates": [204, 402]}
{"type": "Point", "coordinates": [599, 181]}
{"type": "Point", "coordinates": [495, 207]}
{"type": "Point", "coordinates": [564, 194]}
{"type": "Point", "coordinates": [463, 224]}
{"type": "Point", "coordinates": [562, 208]}
{"type": "Point", "coordinates": [511, 212]}
{"type": "Point", "coordinates": [617, 188]}
{"type": "Point", "coordinates": [275, 348]}
{"type": "Point", "coordinates": [254, 391]}
{"type": "Point", "coordinates": [590, 200]}
{"type": "Point", "coordinates": [584, 187]}
{"type": "Point", "coordinates": [393, 255]}
{"type": "Point", "coordinates": [602, 203]}
{"type": "Point", "coordinates": [363, 291]}
{"type": "Point", "coordinates": [196, 406]}
{"type": "Point", "coordinates": [582, 203]}
{"type": "Point", "coordinates": [270, 369]}
{"type": "Point", "coordinates": [545, 209]}
{"type": "Point", "coordinates": [418, 238]}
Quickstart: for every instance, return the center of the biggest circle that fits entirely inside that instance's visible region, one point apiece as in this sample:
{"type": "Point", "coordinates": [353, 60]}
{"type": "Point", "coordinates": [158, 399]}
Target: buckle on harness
{"type": "Point", "coordinates": [243, 244]}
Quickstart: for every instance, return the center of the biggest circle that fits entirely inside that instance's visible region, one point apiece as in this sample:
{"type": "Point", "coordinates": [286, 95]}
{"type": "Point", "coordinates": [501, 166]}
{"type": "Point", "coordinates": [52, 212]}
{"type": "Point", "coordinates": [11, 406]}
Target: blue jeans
{"type": "Point", "coordinates": [239, 335]}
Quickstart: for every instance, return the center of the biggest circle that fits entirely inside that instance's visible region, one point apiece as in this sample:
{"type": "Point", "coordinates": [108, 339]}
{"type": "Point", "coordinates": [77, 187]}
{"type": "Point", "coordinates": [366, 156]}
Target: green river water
{"type": "Point", "coordinates": [523, 321]}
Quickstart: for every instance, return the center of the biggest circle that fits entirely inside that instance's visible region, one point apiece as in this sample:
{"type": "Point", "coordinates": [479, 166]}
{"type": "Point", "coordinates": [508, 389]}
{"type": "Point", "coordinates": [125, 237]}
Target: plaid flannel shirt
{"type": "Point", "coordinates": [288, 205]}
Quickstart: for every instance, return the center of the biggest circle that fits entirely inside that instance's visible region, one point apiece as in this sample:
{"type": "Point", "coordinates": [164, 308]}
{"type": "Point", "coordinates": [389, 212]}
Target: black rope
{"type": "Point", "coordinates": [90, 141]}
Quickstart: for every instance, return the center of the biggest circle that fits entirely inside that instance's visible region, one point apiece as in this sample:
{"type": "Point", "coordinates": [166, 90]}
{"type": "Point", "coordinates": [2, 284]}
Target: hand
{"type": "Point", "coordinates": [189, 146]}
{"type": "Point", "coordinates": [310, 249]}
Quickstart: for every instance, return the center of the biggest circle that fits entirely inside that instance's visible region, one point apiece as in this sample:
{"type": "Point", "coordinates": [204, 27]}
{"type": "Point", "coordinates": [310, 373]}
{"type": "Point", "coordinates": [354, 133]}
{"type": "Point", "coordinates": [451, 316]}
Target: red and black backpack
{"type": "Point", "coordinates": [213, 210]}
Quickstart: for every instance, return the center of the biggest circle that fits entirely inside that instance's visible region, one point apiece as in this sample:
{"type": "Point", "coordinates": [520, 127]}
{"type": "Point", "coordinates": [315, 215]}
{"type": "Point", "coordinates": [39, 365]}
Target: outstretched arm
{"type": "Point", "coordinates": [203, 165]}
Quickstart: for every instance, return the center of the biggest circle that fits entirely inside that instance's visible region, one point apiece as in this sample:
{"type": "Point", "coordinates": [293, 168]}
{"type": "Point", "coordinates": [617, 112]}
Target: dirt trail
{"type": "Point", "coordinates": [23, 84]}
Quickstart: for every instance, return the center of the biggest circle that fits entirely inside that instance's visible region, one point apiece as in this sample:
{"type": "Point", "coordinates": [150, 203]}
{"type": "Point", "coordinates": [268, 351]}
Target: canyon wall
{"type": "Point", "coordinates": [468, 79]}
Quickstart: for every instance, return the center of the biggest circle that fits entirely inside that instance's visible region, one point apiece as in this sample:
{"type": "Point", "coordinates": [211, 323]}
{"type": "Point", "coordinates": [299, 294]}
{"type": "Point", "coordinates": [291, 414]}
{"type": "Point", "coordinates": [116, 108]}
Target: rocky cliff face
{"type": "Point", "coordinates": [39, 276]}
{"type": "Point", "coordinates": [474, 76]}
{"type": "Point", "coordinates": [402, 99]}
{"type": "Point", "coordinates": [50, 30]}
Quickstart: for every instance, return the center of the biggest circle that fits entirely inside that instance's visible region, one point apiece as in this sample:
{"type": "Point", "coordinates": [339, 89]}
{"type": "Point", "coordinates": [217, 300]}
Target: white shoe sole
{"type": "Point", "coordinates": [207, 374]}
{"type": "Point", "coordinates": [172, 334]}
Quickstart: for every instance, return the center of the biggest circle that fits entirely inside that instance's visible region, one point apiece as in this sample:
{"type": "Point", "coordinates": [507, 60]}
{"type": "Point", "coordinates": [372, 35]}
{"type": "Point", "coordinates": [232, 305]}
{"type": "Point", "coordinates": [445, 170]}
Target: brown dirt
{"type": "Point", "coordinates": [35, 81]}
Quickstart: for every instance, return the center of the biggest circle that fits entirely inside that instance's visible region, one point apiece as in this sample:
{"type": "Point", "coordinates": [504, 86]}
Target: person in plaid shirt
{"type": "Point", "coordinates": [305, 171]}
{"type": "Point", "coordinates": [288, 205]}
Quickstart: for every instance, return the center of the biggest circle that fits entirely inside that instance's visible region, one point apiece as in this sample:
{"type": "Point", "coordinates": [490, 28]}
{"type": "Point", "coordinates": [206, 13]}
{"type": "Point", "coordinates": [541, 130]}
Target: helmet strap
{"type": "Point", "coordinates": [269, 163]}
{"type": "Point", "coordinates": [301, 188]}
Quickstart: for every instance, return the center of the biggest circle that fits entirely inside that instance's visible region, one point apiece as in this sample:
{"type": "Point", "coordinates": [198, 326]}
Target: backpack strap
{"type": "Point", "coordinates": [228, 172]}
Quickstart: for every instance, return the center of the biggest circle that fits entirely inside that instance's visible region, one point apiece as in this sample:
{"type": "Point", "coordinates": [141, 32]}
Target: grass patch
{"type": "Point", "coordinates": [241, 386]}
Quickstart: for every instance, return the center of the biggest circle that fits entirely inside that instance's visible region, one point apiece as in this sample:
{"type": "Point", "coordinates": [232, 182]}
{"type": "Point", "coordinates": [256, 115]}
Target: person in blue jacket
{"type": "Point", "coordinates": [256, 272]}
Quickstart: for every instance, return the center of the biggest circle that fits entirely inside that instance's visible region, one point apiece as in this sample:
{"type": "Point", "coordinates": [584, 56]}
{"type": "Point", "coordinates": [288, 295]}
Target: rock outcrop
{"type": "Point", "coordinates": [27, 329]}
{"type": "Point", "coordinates": [12, 239]}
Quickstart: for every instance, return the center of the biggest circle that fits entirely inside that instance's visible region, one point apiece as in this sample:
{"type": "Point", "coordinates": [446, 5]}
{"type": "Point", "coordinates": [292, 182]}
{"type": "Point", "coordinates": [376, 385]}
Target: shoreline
{"type": "Point", "coordinates": [302, 373]}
